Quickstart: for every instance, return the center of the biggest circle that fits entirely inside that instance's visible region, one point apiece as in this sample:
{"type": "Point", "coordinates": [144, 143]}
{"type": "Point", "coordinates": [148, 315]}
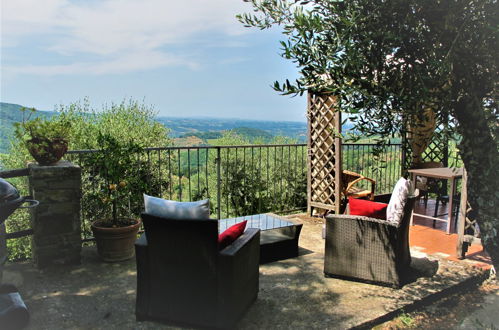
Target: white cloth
{"type": "Point", "coordinates": [395, 209]}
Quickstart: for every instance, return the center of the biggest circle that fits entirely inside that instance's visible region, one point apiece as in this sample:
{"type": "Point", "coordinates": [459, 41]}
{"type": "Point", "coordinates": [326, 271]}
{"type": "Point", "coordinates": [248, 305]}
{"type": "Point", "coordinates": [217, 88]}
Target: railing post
{"type": "Point", "coordinates": [218, 161]}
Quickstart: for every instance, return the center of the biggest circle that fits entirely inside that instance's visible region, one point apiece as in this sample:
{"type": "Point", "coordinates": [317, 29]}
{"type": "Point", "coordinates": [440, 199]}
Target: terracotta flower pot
{"type": "Point", "coordinates": [115, 243]}
{"type": "Point", "coordinates": [47, 151]}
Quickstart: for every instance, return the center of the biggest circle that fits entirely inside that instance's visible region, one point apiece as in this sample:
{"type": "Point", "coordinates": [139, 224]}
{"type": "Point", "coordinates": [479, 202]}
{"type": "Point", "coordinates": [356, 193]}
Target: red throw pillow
{"type": "Point", "coordinates": [231, 234]}
{"type": "Point", "coordinates": [367, 208]}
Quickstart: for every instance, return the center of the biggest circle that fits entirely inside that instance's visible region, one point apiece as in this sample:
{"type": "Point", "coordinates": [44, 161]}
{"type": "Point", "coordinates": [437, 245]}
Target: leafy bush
{"type": "Point", "coordinates": [55, 128]}
{"type": "Point", "coordinates": [113, 171]}
{"type": "Point", "coordinates": [126, 121]}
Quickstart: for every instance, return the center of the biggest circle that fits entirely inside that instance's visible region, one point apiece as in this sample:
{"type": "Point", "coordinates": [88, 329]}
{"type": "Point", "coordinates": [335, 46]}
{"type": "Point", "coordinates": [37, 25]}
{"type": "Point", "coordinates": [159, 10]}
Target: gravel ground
{"type": "Point", "coordinates": [475, 307]}
{"type": "Point", "coordinates": [294, 294]}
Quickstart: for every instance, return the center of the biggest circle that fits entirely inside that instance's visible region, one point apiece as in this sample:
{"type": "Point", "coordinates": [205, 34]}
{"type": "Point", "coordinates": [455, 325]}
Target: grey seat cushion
{"type": "Point", "coordinates": [159, 207]}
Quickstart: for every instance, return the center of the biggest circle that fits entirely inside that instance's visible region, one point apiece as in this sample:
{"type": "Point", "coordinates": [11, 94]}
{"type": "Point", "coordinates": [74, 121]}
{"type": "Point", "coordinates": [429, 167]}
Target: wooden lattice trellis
{"type": "Point", "coordinates": [437, 150]}
{"type": "Point", "coordinates": [324, 153]}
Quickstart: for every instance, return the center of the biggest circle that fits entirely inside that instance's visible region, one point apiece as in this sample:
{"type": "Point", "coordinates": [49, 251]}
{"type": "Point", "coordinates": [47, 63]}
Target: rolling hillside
{"type": "Point", "coordinates": [192, 126]}
{"type": "Point", "coordinates": [251, 134]}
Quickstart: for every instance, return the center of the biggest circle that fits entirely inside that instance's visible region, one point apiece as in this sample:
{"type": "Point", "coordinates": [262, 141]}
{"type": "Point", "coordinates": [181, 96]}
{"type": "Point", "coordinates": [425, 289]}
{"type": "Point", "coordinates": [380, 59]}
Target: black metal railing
{"type": "Point", "coordinates": [221, 173]}
{"type": "Point", "coordinates": [383, 165]}
{"type": "Point", "coordinates": [238, 180]}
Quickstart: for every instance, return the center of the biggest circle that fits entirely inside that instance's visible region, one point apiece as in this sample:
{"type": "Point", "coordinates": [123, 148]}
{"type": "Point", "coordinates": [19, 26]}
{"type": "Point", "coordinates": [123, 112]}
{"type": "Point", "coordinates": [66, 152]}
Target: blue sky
{"type": "Point", "coordinates": [187, 58]}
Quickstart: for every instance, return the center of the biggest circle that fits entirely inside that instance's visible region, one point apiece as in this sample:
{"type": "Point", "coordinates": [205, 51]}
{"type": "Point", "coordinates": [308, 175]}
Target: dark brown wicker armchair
{"type": "Point", "coordinates": [182, 277]}
{"type": "Point", "coordinates": [368, 249]}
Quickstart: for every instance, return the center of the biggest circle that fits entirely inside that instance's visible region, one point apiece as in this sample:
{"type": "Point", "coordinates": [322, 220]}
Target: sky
{"type": "Point", "coordinates": [189, 58]}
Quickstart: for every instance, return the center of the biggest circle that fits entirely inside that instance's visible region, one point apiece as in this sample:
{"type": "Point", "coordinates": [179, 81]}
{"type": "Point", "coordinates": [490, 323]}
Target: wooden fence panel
{"type": "Point", "coordinates": [324, 153]}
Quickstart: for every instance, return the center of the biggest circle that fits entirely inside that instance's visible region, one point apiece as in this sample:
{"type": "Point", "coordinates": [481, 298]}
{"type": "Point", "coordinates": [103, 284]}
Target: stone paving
{"type": "Point", "coordinates": [486, 316]}
{"type": "Point", "coordinates": [294, 294]}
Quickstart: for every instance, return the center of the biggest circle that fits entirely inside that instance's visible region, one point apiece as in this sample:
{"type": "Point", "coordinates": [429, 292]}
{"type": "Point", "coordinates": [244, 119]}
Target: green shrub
{"type": "Point", "coordinates": [58, 127]}
{"type": "Point", "coordinates": [125, 121]}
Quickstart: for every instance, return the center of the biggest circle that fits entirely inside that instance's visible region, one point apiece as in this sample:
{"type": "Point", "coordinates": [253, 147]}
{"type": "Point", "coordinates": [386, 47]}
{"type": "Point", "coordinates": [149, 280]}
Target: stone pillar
{"type": "Point", "coordinates": [56, 220]}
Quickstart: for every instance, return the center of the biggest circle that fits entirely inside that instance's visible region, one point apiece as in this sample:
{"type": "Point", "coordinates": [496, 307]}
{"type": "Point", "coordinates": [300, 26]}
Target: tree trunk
{"type": "Point", "coordinates": [478, 150]}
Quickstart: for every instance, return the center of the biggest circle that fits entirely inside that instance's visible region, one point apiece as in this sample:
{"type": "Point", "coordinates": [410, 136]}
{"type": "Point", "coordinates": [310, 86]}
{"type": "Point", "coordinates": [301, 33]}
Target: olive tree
{"type": "Point", "coordinates": [390, 60]}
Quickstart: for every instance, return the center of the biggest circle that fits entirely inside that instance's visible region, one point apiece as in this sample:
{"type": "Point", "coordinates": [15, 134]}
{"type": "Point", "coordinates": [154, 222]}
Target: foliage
{"type": "Point", "coordinates": [115, 177]}
{"type": "Point", "coordinates": [244, 188]}
{"type": "Point", "coordinates": [256, 180]}
{"type": "Point", "coordinates": [46, 139]}
{"type": "Point", "coordinates": [388, 60]}
{"type": "Point", "coordinates": [382, 60]}
{"type": "Point", "coordinates": [113, 172]}
{"type": "Point", "coordinates": [47, 129]}
{"type": "Point", "coordinates": [406, 320]}
{"type": "Point", "coordinates": [10, 114]}
{"type": "Point", "coordinates": [126, 121]}
{"type": "Point", "coordinates": [252, 179]}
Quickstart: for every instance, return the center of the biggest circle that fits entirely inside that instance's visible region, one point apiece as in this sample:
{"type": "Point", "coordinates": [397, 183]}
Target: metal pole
{"type": "Point", "coordinates": [219, 185]}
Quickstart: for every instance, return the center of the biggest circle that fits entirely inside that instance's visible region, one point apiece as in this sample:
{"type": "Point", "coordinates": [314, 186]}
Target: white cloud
{"type": "Point", "coordinates": [28, 17]}
{"type": "Point", "coordinates": [143, 30]}
{"type": "Point", "coordinates": [123, 64]}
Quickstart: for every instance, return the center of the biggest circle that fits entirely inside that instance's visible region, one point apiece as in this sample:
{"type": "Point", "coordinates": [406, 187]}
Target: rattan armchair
{"type": "Point", "coordinates": [368, 249]}
{"type": "Point", "coordinates": [183, 278]}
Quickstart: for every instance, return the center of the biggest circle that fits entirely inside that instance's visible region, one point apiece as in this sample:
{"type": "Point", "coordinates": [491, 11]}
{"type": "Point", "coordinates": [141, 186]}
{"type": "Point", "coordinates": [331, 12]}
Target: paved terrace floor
{"type": "Point", "coordinates": [430, 237]}
{"type": "Point", "coordinates": [294, 294]}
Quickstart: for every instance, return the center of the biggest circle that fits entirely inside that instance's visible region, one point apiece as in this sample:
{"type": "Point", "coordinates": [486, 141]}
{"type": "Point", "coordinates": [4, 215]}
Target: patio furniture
{"type": "Point", "coordinates": [183, 278]}
{"type": "Point", "coordinates": [369, 249]}
{"type": "Point", "coordinates": [429, 185]}
{"type": "Point", "coordinates": [349, 185]}
{"type": "Point", "coordinates": [278, 238]}
{"type": "Point", "coordinates": [446, 173]}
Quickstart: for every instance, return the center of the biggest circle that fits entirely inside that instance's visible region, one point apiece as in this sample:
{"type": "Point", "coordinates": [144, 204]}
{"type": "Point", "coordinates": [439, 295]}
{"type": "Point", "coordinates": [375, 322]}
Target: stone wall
{"type": "Point", "coordinates": [56, 220]}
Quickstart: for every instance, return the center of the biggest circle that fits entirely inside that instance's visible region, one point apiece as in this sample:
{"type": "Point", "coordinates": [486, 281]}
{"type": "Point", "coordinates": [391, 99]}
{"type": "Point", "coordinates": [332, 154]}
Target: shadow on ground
{"type": "Point", "coordinates": [293, 293]}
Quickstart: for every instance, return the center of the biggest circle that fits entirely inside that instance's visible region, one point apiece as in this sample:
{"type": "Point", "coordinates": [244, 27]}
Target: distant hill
{"type": "Point", "coordinates": [253, 133]}
{"type": "Point", "coordinates": [193, 126]}
{"type": "Point", "coordinates": [9, 114]}
{"type": "Point", "coordinates": [202, 128]}
{"type": "Point", "coordinates": [188, 141]}
{"type": "Point", "coordinates": [247, 132]}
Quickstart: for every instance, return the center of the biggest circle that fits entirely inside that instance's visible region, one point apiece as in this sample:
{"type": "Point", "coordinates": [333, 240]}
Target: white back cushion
{"type": "Point", "coordinates": [400, 193]}
{"type": "Point", "coordinates": [165, 208]}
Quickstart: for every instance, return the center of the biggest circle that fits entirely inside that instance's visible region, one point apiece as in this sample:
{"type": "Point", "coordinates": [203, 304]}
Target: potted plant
{"type": "Point", "coordinates": [46, 140]}
{"type": "Point", "coordinates": [112, 170]}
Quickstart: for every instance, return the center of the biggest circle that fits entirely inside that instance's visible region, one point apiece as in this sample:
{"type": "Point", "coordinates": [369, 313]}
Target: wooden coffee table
{"type": "Point", "coordinates": [278, 238]}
